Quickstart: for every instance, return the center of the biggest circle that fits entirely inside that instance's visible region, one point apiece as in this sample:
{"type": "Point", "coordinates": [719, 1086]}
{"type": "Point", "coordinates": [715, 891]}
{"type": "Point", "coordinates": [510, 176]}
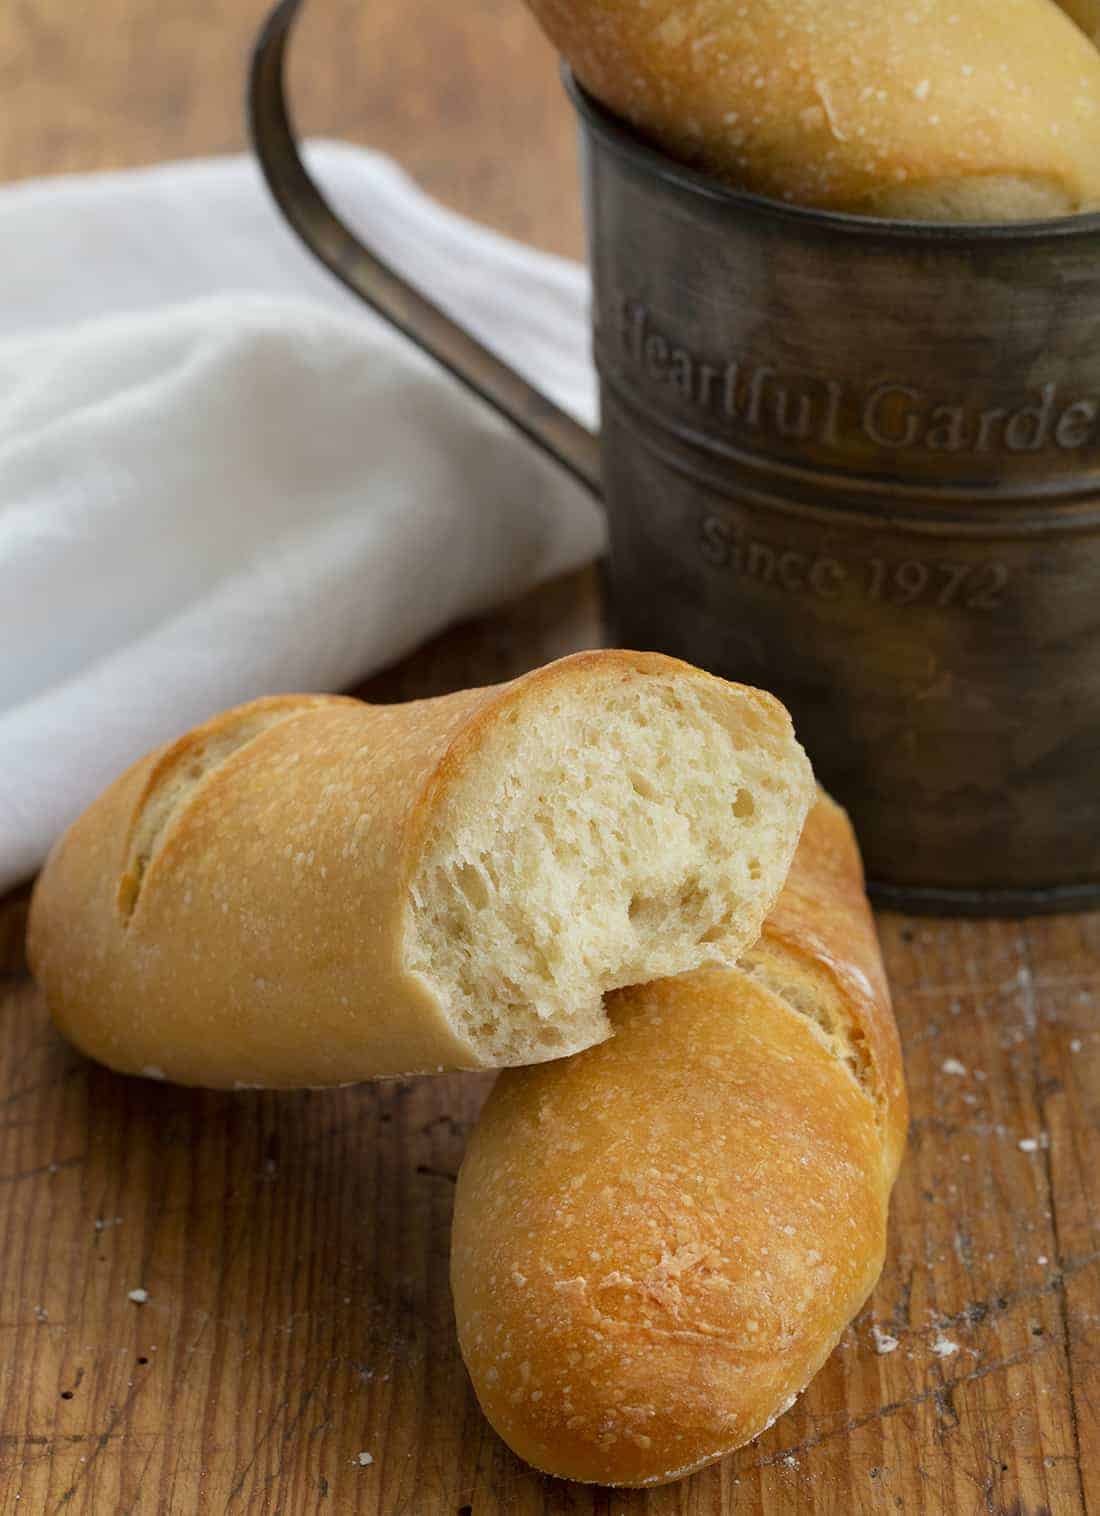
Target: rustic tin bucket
{"type": "Point", "coordinates": [853, 461]}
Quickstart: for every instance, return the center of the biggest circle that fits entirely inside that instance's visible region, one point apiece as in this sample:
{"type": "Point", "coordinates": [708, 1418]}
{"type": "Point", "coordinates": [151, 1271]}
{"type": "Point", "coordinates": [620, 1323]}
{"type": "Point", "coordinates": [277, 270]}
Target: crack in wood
{"type": "Point", "coordinates": [288, 1430]}
{"type": "Point", "coordinates": [977, 1311]}
{"type": "Point", "coordinates": [55, 1166]}
{"type": "Point", "coordinates": [1026, 990]}
{"type": "Point", "coordinates": [934, 1393]}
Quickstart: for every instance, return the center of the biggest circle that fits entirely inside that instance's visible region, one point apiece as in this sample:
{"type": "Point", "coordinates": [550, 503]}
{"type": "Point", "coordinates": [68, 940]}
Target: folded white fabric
{"type": "Point", "coordinates": [221, 476]}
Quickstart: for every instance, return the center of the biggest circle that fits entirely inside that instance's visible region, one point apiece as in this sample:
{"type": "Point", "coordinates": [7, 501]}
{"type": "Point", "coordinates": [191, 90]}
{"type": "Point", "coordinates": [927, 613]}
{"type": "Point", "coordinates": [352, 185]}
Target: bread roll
{"type": "Point", "coordinates": [976, 110]}
{"type": "Point", "coordinates": [658, 1243]}
{"type": "Point", "coordinates": [310, 890]}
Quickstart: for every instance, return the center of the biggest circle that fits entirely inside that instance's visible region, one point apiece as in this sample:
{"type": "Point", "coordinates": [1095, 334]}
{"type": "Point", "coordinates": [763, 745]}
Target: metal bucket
{"type": "Point", "coordinates": [853, 461]}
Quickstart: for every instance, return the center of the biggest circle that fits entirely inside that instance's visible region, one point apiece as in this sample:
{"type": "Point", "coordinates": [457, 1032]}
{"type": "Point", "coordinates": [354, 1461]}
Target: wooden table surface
{"type": "Point", "coordinates": [294, 1247]}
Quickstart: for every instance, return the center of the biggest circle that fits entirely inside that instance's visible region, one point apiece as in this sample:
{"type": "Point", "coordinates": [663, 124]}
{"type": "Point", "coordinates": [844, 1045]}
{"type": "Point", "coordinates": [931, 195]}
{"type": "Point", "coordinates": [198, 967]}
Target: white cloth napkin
{"type": "Point", "coordinates": [221, 476]}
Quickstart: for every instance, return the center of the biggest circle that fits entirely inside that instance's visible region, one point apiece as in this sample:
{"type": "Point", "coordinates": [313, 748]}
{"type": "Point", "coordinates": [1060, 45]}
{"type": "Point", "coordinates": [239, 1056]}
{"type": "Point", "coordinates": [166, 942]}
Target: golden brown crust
{"type": "Point", "coordinates": [658, 1242]}
{"type": "Point", "coordinates": [823, 915]}
{"type": "Point", "coordinates": [263, 947]}
{"type": "Point", "coordinates": [944, 109]}
{"type": "Point", "coordinates": [234, 909]}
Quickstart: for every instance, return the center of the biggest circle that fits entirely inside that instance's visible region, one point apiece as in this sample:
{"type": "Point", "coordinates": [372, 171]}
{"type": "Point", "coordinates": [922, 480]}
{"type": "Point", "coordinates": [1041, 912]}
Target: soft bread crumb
{"type": "Point", "coordinates": [598, 842]}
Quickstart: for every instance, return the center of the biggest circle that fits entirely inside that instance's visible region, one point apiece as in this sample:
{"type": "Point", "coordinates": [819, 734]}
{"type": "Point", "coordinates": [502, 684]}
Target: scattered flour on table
{"type": "Point", "coordinates": [884, 1343]}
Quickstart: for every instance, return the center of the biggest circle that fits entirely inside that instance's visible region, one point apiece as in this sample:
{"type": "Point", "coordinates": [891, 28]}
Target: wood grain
{"type": "Point", "coordinates": [294, 1247]}
{"type": "Point", "coordinates": [467, 97]}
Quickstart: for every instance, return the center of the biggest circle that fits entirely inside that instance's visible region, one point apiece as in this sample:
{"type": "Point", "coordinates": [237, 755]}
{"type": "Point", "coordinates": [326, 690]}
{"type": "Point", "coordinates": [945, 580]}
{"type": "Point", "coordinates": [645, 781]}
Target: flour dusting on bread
{"type": "Point", "coordinates": [936, 110]}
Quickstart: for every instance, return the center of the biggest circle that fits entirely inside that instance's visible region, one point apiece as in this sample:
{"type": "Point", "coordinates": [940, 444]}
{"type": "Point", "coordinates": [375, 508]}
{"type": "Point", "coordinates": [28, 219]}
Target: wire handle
{"type": "Point", "coordinates": [373, 280]}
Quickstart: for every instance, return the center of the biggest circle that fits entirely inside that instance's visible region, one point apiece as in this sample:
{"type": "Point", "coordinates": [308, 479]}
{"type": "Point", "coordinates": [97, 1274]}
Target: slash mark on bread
{"type": "Point", "coordinates": [184, 768]}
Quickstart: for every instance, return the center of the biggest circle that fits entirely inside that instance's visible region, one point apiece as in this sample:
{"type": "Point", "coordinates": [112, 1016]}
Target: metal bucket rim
{"type": "Point", "coordinates": [626, 143]}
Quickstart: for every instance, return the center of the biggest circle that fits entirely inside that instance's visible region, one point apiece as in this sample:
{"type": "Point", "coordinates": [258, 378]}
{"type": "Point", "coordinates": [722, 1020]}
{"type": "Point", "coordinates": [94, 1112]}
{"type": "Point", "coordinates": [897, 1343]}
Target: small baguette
{"type": "Point", "coordinates": [309, 890]}
{"type": "Point", "coordinates": [939, 110]}
{"type": "Point", "coordinates": [658, 1243]}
